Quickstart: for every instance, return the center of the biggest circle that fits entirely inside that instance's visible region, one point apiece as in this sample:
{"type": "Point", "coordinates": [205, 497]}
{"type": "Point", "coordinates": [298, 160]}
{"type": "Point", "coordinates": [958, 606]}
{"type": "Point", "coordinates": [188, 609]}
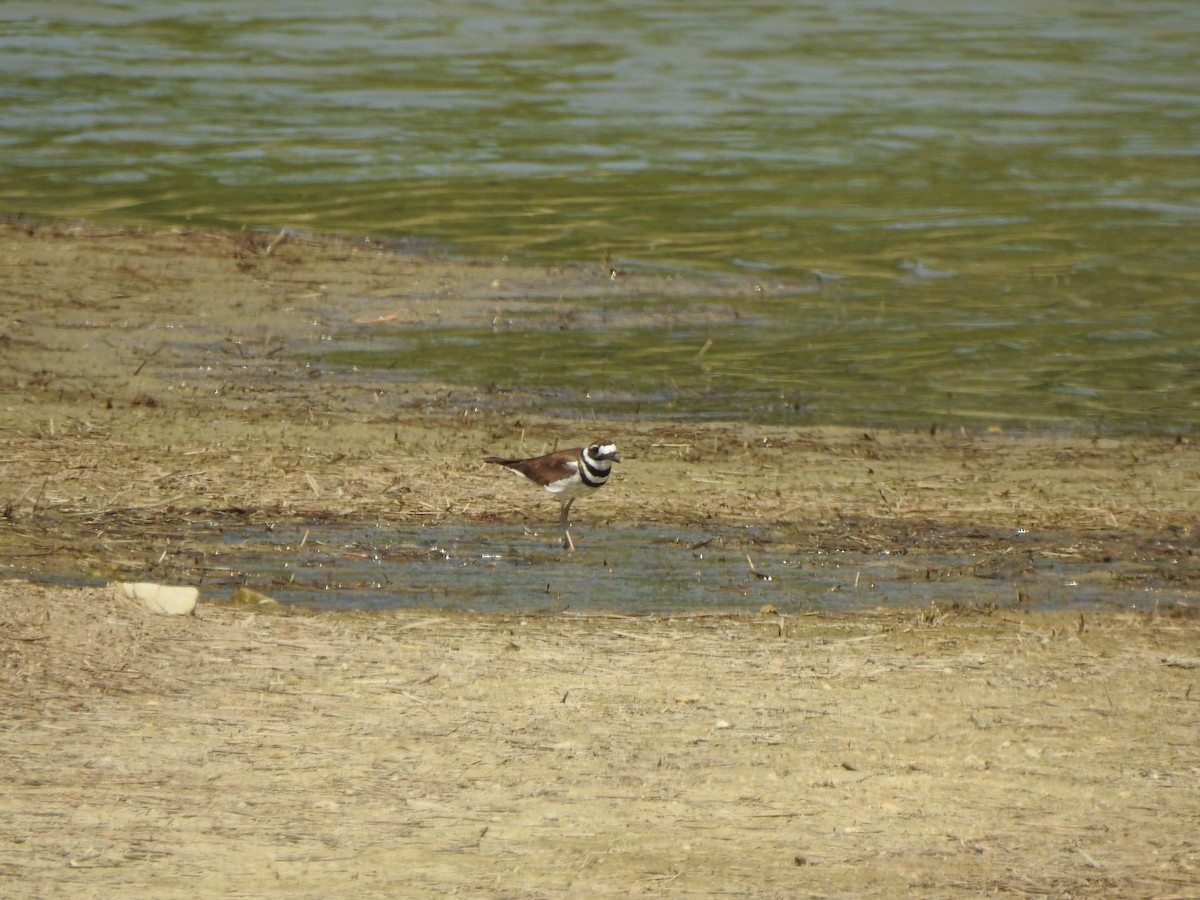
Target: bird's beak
{"type": "Point", "coordinates": [616, 457]}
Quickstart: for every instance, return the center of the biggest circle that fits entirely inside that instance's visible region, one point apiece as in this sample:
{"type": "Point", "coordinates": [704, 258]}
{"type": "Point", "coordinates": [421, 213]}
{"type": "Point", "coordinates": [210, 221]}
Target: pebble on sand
{"type": "Point", "coordinates": [248, 595]}
{"type": "Point", "coordinates": [164, 599]}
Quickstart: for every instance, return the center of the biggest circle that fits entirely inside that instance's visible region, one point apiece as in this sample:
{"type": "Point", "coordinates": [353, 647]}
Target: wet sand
{"type": "Point", "coordinates": [149, 380]}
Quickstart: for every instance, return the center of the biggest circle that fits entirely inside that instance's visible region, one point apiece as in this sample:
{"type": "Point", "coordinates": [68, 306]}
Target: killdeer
{"type": "Point", "coordinates": [567, 474]}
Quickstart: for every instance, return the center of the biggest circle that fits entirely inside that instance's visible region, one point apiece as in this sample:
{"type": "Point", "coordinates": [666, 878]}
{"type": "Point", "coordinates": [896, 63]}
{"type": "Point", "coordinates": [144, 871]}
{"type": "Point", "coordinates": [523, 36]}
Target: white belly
{"type": "Point", "coordinates": [567, 488]}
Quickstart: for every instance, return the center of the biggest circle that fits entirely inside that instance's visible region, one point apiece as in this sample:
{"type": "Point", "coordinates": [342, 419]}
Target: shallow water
{"type": "Point", "coordinates": [637, 570]}
{"type": "Point", "coordinates": [811, 358]}
{"type": "Point", "coordinates": [969, 214]}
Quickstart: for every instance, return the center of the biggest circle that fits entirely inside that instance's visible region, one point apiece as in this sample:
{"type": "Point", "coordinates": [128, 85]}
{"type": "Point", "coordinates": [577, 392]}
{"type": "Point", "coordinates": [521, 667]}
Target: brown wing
{"type": "Point", "coordinates": [541, 469]}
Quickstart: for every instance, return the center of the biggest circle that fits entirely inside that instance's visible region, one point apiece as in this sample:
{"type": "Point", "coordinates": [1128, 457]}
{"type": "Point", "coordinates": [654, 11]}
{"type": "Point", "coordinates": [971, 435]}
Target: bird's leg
{"type": "Point", "coordinates": [565, 524]}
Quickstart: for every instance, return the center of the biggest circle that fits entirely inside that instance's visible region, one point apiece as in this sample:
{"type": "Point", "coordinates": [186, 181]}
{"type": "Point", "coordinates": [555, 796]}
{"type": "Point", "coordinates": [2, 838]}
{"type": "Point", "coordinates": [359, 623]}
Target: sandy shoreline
{"type": "Point", "coordinates": [410, 754]}
{"type": "Point", "coordinates": [149, 380]}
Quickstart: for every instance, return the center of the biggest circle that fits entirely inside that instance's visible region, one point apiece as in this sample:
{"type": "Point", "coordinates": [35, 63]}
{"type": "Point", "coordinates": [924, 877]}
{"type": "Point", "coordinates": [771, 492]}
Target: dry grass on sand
{"type": "Point", "coordinates": [409, 754]}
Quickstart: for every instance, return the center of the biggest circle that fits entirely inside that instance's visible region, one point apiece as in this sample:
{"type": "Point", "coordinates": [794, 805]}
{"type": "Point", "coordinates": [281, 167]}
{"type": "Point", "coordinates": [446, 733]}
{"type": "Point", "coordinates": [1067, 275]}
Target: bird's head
{"type": "Point", "coordinates": [605, 450]}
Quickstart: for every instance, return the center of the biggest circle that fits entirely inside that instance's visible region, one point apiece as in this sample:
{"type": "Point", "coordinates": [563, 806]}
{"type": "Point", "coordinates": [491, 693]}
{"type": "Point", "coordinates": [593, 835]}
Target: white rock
{"type": "Point", "coordinates": [164, 599]}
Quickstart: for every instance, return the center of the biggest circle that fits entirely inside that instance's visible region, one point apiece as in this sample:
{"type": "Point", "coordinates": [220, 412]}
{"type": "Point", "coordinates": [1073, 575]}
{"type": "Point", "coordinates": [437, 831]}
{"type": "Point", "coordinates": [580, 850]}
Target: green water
{"type": "Point", "coordinates": [827, 356]}
{"type": "Point", "coordinates": [964, 213]}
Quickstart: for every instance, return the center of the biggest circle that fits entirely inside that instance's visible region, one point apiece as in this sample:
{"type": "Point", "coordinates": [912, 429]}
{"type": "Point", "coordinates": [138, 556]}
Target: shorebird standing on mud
{"type": "Point", "coordinates": [568, 474]}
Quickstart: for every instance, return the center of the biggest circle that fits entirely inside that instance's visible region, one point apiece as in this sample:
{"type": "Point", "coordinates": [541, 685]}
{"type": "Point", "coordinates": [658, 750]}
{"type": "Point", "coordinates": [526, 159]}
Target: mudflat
{"type": "Point", "coordinates": [151, 378]}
